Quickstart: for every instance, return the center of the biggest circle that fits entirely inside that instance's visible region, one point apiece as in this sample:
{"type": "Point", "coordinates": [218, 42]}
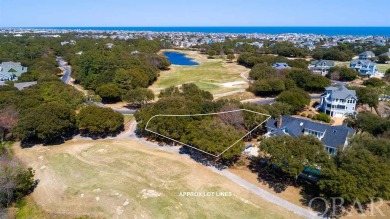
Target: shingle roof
{"type": "Point", "coordinates": [334, 136]}
{"type": "Point", "coordinates": [341, 92]}
{"type": "Point", "coordinates": [367, 53]}
{"type": "Point", "coordinates": [320, 63]}
{"type": "Point", "coordinates": [364, 62]}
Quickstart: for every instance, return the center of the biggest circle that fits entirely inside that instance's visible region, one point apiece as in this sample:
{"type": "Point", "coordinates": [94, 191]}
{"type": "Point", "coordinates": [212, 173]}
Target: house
{"type": "Point", "coordinates": [334, 138]}
{"type": "Point", "coordinates": [320, 66]}
{"type": "Point", "coordinates": [364, 67]}
{"type": "Point", "coordinates": [280, 66]}
{"type": "Point", "coordinates": [10, 71]}
{"type": "Point", "coordinates": [23, 85]}
{"type": "Point", "coordinates": [338, 102]}
{"type": "Point", "coordinates": [366, 55]}
{"type": "Point", "coordinates": [257, 44]}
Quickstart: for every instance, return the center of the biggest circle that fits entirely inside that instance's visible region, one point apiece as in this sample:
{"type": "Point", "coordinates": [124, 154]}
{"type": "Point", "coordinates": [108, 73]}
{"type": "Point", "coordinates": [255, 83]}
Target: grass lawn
{"type": "Point", "coordinates": [121, 178]}
{"type": "Point", "coordinates": [209, 75]}
{"type": "Point", "coordinates": [383, 67]}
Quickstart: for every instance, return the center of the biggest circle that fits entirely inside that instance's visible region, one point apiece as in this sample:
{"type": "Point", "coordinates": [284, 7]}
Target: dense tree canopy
{"type": "Point", "coordinates": [96, 121]}
{"type": "Point", "coordinates": [49, 123]}
{"type": "Point", "coordinates": [296, 98]}
{"type": "Point", "coordinates": [342, 73]}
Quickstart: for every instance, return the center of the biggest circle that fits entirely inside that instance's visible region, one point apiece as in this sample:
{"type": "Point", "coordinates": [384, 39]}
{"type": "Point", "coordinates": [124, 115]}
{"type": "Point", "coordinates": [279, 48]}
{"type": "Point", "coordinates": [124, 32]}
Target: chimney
{"type": "Point", "coordinates": [279, 122]}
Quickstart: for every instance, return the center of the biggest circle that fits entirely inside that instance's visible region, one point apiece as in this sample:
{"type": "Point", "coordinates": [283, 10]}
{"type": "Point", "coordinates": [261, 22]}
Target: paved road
{"type": "Point", "coordinates": [68, 70]}
{"type": "Point", "coordinates": [226, 173]}
{"type": "Point", "coordinates": [66, 79]}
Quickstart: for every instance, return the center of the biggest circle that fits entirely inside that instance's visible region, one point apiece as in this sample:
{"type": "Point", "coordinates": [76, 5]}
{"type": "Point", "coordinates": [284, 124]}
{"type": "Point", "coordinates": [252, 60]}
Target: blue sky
{"type": "Point", "coordinates": [46, 13]}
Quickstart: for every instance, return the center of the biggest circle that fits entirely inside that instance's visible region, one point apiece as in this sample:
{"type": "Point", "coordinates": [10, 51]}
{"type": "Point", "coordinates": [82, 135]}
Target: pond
{"type": "Point", "coordinates": [177, 58]}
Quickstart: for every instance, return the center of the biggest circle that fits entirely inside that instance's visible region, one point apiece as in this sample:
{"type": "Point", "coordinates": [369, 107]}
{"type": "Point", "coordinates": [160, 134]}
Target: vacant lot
{"type": "Point", "coordinates": [381, 67]}
{"type": "Point", "coordinates": [123, 179]}
{"type": "Point", "coordinates": [212, 75]}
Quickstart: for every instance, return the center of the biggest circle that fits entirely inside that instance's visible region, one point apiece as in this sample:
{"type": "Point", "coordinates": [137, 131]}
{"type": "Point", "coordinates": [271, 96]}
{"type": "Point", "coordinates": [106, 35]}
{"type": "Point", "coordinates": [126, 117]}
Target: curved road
{"type": "Point", "coordinates": [66, 79]}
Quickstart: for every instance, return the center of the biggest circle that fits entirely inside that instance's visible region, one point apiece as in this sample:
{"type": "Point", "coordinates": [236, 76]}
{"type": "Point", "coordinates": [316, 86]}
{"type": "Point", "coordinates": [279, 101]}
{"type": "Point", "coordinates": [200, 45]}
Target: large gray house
{"type": "Point", "coordinates": [338, 102]}
{"type": "Point", "coordinates": [320, 66]}
{"type": "Point", "coordinates": [335, 138]}
{"type": "Point", "coordinates": [366, 55]}
{"type": "Point", "coordinates": [364, 67]}
{"type": "Point", "coordinates": [10, 71]}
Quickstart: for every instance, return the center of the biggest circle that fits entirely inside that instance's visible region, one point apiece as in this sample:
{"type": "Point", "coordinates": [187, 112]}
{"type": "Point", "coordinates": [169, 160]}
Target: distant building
{"type": "Point", "coordinates": [320, 66]}
{"type": "Point", "coordinates": [109, 45]}
{"type": "Point", "coordinates": [24, 85]}
{"type": "Point", "coordinates": [366, 55]}
{"type": "Point", "coordinates": [338, 102]}
{"type": "Point", "coordinates": [280, 66]}
{"type": "Point", "coordinates": [364, 67]}
{"type": "Point", "coordinates": [334, 138]}
{"type": "Point", "coordinates": [10, 71]}
{"type": "Point", "coordinates": [257, 44]}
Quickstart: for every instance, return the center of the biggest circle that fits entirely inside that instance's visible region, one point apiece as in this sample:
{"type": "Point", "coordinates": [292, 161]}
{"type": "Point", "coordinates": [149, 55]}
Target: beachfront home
{"type": "Point", "coordinates": [10, 71]}
{"type": "Point", "coordinates": [334, 138]}
{"type": "Point", "coordinates": [280, 66]}
{"type": "Point", "coordinates": [338, 102]}
{"type": "Point", "coordinates": [320, 66]}
{"type": "Point", "coordinates": [366, 55]}
{"type": "Point", "coordinates": [364, 67]}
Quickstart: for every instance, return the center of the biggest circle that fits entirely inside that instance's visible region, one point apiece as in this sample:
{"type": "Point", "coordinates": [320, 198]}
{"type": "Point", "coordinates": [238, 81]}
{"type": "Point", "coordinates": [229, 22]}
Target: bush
{"type": "Point", "coordinates": [97, 121]}
{"type": "Point", "coordinates": [303, 114]}
{"type": "Point", "coordinates": [322, 117]}
{"type": "Point", "coordinates": [310, 116]}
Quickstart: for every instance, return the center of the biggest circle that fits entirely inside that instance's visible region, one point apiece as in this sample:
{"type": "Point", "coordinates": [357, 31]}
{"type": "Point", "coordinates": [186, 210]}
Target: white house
{"type": "Point", "coordinates": [320, 67]}
{"type": "Point", "coordinates": [10, 71]}
{"type": "Point", "coordinates": [338, 102]}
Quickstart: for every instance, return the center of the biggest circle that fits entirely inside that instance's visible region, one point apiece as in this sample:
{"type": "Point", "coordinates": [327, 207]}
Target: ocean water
{"type": "Point", "coordinates": [329, 31]}
{"type": "Point", "coordinates": [177, 58]}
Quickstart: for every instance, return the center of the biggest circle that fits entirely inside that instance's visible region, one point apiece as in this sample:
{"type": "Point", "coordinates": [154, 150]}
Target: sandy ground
{"type": "Point", "coordinates": [123, 179]}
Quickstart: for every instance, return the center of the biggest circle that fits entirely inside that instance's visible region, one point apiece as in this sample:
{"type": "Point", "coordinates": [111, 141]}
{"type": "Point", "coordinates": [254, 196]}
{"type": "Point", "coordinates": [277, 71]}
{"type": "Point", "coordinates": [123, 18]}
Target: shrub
{"type": "Point", "coordinates": [303, 114]}
{"type": "Point", "coordinates": [322, 117]}
{"type": "Point", "coordinates": [310, 116]}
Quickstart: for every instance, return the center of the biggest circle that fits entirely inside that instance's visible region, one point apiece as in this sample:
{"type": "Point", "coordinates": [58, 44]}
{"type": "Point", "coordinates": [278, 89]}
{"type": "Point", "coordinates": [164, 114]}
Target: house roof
{"type": "Point", "coordinates": [367, 53]}
{"type": "Point", "coordinates": [281, 65]}
{"type": "Point", "coordinates": [341, 92]}
{"type": "Point", "coordinates": [363, 62]}
{"type": "Point", "coordinates": [319, 63]}
{"type": "Point", "coordinates": [334, 136]}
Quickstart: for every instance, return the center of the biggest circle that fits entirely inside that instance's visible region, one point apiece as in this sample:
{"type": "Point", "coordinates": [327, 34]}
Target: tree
{"type": "Point", "coordinates": [261, 71]}
{"type": "Point", "coordinates": [356, 174]}
{"type": "Point", "coordinates": [368, 95]}
{"type": "Point", "coordinates": [383, 59]}
{"type": "Point", "coordinates": [139, 96]}
{"type": "Point", "coordinates": [296, 98]}
{"type": "Point", "coordinates": [97, 121]}
{"type": "Point", "coordinates": [293, 155]}
{"type": "Point", "coordinates": [230, 57]}
{"type": "Point", "coordinates": [212, 53]}
{"type": "Point", "coordinates": [130, 79]}
{"type": "Point", "coordinates": [50, 122]}
{"type": "Point", "coordinates": [16, 181]}
{"type": "Point", "coordinates": [342, 73]}
{"type": "Point", "coordinates": [374, 82]}
{"type": "Point", "coordinates": [109, 93]}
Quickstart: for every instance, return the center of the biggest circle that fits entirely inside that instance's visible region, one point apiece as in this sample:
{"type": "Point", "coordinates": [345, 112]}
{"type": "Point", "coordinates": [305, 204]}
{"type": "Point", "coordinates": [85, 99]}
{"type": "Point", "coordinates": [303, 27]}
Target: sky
{"type": "Point", "coordinates": [130, 13]}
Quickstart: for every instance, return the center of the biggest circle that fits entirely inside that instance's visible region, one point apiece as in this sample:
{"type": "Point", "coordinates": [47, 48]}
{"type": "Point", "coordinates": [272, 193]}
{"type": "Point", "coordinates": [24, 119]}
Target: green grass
{"type": "Point", "coordinates": [207, 76]}
{"type": "Point", "coordinates": [26, 208]}
{"type": "Point", "coordinates": [383, 67]}
{"type": "Point", "coordinates": [117, 168]}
